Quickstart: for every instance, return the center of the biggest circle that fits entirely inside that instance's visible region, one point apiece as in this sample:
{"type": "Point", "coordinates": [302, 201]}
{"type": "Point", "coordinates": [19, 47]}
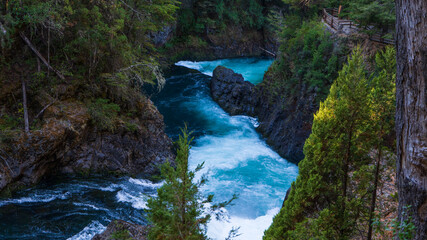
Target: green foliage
{"type": "Point", "coordinates": [131, 127]}
{"type": "Point", "coordinates": [103, 48]}
{"type": "Point", "coordinates": [382, 98]}
{"type": "Point", "coordinates": [186, 21]}
{"type": "Point", "coordinates": [8, 122]}
{"type": "Point", "coordinates": [177, 213]}
{"type": "Point", "coordinates": [333, 187]}
{"type": "Point", "coordinates": [217, 14]}
{"type": "Point", "coordinates": [404, 230]}
{"type": "Point", "coordinates": [17, 14]}
{"type": "Point", "coordinates": [401, 230]}
{"type": "Point", "coordinates": [104, 114]}
{"type": "Point", "coordinates": [309, 60]}
{"type": "Point", "coordinates": [378, 13]}
{"type": "Point", "coordinates": [368, 13]}
{"type": "Point", "coordinates": [95, 37]}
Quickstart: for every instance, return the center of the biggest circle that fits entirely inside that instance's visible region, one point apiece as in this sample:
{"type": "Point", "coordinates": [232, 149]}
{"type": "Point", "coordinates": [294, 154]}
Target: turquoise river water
{"type": "Point", "coordinates": [237, 160]}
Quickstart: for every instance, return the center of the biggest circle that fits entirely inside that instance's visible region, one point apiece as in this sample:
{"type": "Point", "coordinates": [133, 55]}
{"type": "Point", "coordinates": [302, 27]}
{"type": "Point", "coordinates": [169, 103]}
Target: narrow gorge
{"type": "Point", "coordinates": [212, 119]}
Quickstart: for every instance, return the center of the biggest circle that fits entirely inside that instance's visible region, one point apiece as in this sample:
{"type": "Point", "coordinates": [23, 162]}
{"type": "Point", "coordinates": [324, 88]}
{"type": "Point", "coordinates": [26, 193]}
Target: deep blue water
{"type": "Point", "coordinates": [237, 160]}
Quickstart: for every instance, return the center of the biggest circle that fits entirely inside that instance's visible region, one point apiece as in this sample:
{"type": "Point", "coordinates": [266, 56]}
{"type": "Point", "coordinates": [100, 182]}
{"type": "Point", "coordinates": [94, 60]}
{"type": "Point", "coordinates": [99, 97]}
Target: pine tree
{"type": "Point", "coordinates": [320, 204]}
{"type": "Point", "coordinates": [178, 212]}
{"type": "Point", "coordinates": [382, 103]}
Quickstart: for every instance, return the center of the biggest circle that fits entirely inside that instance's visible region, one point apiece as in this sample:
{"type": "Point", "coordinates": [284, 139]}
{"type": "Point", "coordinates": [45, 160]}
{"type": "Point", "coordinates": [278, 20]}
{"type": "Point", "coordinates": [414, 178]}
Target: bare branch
{"type": "Point", "coordinates": [27, 41]}
{"type": "Point", "coordinates": [42, 111]}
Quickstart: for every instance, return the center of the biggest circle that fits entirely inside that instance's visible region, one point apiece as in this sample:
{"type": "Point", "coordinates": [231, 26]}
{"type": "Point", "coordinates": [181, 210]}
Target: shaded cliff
{"type": "Point", "coordinates": [285, 128]}
{"type": "Point", "coordinates": [207, 30]}
{"type": "Point", "coordinates": [286, 121]}
{"type": "Point", "coordinates": [291, 90]}
{"type": "Point", "coordinates": [68, 140]}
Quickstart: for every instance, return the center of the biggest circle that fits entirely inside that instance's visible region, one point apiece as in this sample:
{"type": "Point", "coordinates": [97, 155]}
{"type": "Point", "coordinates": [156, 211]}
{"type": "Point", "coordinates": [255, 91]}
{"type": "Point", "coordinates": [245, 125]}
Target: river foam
{"type": "Point", "coordinates": [236, 158]}
{"type": "Point", "coordinates": [252, 69]}
{"type": "Point", "coordinates": [237, 161]}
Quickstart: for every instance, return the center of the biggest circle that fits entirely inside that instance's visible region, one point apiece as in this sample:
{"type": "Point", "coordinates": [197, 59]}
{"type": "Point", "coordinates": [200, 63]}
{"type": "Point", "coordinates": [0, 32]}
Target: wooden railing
{"type": "Point", "coordinates": [330, 17]}
{"type": "Point", "coordinates": [378, 38]}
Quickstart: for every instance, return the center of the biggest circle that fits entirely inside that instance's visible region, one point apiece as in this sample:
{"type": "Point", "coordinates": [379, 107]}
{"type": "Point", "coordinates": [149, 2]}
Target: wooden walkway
{"type": "Point", "coordinates": [330, 18]}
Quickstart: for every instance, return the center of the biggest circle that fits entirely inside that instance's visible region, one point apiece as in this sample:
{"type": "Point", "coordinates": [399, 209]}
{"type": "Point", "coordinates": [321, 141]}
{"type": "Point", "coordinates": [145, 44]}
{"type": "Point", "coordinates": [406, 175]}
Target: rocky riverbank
{"type": "Point", "coordinates": [286, 129]}
{"type": "Point", "coordinates": [69, 143]}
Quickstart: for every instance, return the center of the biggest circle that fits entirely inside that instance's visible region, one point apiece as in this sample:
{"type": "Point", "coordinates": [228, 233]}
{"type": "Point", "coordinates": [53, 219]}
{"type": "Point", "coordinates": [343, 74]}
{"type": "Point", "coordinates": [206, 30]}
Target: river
{"type": "Point", "coordinates": [237, 160]}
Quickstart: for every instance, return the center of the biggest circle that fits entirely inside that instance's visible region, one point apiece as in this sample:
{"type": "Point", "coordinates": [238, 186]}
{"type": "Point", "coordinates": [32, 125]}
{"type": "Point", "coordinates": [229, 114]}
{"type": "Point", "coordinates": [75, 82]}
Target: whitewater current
{"type": "Point", "coordinates": [237, 161]}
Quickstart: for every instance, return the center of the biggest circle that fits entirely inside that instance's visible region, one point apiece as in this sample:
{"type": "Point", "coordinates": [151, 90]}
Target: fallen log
{"type": "Point", "coordinates": [272, 54]}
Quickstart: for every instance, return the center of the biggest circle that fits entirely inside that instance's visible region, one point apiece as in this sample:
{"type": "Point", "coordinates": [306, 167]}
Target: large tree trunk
{"type": "Point", "coordinates": [411, 112]}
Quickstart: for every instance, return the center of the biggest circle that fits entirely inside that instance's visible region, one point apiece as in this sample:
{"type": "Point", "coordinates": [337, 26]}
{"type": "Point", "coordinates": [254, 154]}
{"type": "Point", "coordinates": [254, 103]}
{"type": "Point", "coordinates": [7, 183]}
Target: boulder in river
{"type": "Point", "coordinates": [232, 92]}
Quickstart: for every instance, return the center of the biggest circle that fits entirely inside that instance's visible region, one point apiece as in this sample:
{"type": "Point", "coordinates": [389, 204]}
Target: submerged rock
{"type": "Point", "coordinates": [120, 229]}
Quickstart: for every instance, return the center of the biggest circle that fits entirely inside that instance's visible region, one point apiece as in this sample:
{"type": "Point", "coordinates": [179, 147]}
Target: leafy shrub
{"type": "Point", "coordinates": [404, 230]}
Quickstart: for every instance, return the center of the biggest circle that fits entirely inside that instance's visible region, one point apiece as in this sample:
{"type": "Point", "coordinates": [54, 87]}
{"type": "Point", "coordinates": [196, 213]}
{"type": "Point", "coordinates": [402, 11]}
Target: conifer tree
{"type": "Point", "coordinates": [382, 103]}
{"type": "Point", "coordinates": [178, 213]}
{"type": "Point", "coordinates": [319, 204]}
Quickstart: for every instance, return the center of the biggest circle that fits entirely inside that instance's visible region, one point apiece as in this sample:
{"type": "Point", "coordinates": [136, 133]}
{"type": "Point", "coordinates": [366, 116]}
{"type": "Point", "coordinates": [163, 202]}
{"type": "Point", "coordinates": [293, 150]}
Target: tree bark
{"type": "Point", "coordinates": [411, 112]}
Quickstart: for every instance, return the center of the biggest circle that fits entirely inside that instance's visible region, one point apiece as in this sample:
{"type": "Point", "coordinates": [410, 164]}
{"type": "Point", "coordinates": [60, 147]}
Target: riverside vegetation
{"type": "Point", "coordinates": [335, 192]}
{"type": "Point", "coordinates": [71, 77]}
{"type": "Point", "coordinates": [98, 55]}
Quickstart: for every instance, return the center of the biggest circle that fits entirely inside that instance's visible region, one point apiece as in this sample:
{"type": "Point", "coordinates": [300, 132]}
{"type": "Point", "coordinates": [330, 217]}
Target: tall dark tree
{"type": "Point", "coordinates": [382, 102]}
{"type": "Point", "coordinates": [411, 113]}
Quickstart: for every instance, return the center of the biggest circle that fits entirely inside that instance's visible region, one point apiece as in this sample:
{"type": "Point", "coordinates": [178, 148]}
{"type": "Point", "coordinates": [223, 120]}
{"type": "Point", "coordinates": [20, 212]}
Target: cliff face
{"type": "Point", "coordinates": [202, 32]}
{"type": "Point", "coordinates": [286, 129]}
{"type": "Point", "coordinates": [69, 143]}
{"type": "Point", "coordinates": [286, 121]}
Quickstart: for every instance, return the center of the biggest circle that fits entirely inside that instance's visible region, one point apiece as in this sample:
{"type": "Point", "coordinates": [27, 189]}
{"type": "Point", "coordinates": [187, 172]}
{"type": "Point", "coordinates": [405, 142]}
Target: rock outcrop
{"type": "Point", "coordinates": [286, 121]}
{"type": "Point", "coordinates": [232, 39]}
{"type": "Point", "coordinates": [120, 229]}
{"type": "Point", "coordinates": [286, 129]}
{"type": "Point", "coordinates": [69, 143]}
{"type": "Point", "coordinates": [232, 92]}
